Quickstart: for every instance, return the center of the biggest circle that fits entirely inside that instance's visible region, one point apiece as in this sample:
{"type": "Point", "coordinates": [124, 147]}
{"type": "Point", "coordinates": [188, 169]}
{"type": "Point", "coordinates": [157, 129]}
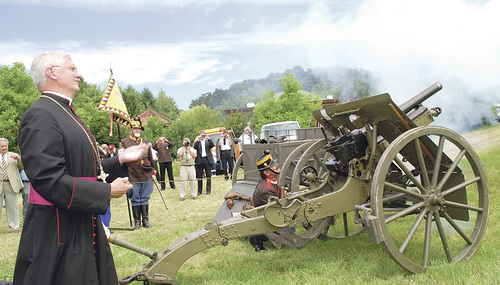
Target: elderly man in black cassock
{"type": "Point", "coordinates": [63, 240]}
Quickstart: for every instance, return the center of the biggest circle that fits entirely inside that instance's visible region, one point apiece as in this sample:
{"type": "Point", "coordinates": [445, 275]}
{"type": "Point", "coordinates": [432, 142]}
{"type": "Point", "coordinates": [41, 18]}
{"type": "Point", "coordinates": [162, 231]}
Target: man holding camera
{"type": "Point", "coordinates": [204, 160]}
{"type": "Point", "coordinates": [187, 154]}
{"type": "Point", "coordinates": [162, 146]}
{"type": "Point", "coordinates": [225, 151]}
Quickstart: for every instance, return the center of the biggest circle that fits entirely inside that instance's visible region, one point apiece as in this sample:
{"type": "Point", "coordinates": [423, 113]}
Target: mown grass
{"type": "Point", "coordinates": [353, 260]}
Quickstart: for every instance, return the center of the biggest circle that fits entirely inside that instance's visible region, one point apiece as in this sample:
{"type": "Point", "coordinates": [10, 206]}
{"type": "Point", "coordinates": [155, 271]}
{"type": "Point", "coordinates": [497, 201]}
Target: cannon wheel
{"type": "Point", "coordinates": [311, 173]}
{"type": "Point", "coordinates": [425, 232]}
{"type": "Point", "coordinates": [237, 166]}
{"type": "Point", "coordinates": [312, 162]}
{"type": "Point", "coordinates": [288, 167]}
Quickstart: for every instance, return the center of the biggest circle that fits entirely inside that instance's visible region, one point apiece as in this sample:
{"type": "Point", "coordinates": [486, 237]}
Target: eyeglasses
{"type": "Point", "coordinates": [72, 68]}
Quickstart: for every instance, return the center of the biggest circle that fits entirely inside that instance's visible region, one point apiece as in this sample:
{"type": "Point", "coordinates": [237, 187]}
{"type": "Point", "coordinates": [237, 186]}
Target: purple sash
{"type": "Point", "coordinates": [36, 198]}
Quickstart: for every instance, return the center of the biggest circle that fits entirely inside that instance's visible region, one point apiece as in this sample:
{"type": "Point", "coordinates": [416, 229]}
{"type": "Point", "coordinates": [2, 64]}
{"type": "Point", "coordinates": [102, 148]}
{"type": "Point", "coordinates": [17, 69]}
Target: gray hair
{"type": "Point", "coordinates": [44, 61]}
{"type": "Point", "coordinates": [4, 139]}
{"type": "Point", "coordinates": [186, 140]}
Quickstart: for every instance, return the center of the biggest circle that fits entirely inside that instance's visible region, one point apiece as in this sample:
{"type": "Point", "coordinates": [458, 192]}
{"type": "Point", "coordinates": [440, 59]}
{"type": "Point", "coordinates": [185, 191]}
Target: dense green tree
{"type": "Point", "coordinates": [237, 122]}
{"type": "Point", "coordinates": [153, 129]}
{"type": "Point", "coordinates": [147, 100]}
{"type": "Point", "coordinates": [167, 107]}
{"type": "Point", "coordinates": [190, 122]}
{"type": "Point", "coordinates": [85, 104]}
{"type": "Point", "coordinates": [131, 99]}
{"type": "Point", "coordinates": [291, 105]}
{"type": "Point", "coordinates": [17, 94]}
{"type": "Point", "coordinates": [266, 111]}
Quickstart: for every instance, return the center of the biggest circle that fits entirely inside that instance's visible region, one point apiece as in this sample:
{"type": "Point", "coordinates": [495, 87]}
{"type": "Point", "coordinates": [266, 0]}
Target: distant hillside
{"type": "Point", "coordinates": [338, 82]}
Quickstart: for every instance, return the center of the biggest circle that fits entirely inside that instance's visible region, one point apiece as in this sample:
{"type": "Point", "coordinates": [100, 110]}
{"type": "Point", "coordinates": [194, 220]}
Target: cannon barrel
{"type": "Point", "coordinates": [420, 97]}
{"type": "Point", "coordinates": [125, 244]}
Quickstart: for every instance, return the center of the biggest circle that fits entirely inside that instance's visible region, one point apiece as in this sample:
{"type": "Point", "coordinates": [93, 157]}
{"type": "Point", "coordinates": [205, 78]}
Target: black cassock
{"type": "Point", "coordinates": [64, 243]}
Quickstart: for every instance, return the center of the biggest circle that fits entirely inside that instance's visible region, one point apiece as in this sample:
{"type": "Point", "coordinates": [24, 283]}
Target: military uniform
{"type": "Point", "coordinates": [165, 162]}
{"type": "Point", "coordinates": [140, 173]}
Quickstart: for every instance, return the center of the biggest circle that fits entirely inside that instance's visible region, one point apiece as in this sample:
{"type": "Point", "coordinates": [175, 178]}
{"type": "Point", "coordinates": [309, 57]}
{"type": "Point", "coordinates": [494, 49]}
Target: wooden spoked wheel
{"type": "Point", "coordinates": [431, 200]}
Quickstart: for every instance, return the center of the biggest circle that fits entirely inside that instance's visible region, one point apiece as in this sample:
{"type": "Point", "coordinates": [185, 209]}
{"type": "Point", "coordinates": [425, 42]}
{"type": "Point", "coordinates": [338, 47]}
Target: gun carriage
{"type": "Point", "coordinates": [420, 191]}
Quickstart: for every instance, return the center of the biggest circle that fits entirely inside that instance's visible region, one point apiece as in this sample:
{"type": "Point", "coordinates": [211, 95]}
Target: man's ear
{"type": "Point", "coordinates": [50, 73]}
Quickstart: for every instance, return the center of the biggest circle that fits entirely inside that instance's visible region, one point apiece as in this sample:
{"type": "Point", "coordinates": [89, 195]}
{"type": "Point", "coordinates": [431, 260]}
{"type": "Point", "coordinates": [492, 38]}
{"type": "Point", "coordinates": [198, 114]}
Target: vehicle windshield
{"type": "Point", "coordinates": [287, 130]}
{"type": "Point", "coordinates": [286, 126]}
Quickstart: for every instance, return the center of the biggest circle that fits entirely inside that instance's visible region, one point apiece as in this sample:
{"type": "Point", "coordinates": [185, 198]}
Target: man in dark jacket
{"type": "Point", "coordinates": [225, 152]}
{"type": "Point", "coordinates": [163, 146]}
{"type": "Point", "coordinates": [204, 160]}
{"type": "Point", "coordinates": [140, 174]}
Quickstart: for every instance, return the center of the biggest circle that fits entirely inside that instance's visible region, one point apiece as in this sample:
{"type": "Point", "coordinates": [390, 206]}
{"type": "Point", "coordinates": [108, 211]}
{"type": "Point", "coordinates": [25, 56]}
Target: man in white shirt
{"type": "Point", "coordinates": [11, 184]}
{"type": "Point", "coordinates": [225, 152]}
{"type": "Point", "coordinates": [204, 160]}
{"type": "Point", "coordinates": [248, 137]}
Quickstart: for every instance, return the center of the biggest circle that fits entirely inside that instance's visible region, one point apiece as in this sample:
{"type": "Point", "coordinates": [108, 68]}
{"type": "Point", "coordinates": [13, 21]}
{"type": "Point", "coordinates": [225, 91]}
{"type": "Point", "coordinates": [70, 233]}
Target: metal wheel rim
{"type": "Point", "coordinates": [314, 156]}
{"type": "Point", "coordinates": [451, 247]}
{"type": "Point", "coordinates": [288, 167]}
{"type": "Point", "coordinates": [237, 166]}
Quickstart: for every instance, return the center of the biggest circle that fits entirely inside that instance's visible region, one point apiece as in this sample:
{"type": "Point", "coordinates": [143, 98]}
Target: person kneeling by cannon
{"type": "Point", "coordinates": [267, 187]}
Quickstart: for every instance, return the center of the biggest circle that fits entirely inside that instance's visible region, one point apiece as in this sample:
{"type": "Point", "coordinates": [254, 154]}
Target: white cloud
{"type": "Point", "coordinates": [149, 4]}
{"type": "Point", "coordinates": [408, 44]}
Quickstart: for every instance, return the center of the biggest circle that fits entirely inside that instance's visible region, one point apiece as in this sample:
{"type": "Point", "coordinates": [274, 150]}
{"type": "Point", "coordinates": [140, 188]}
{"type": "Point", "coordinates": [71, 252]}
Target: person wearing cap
{"type": "Point", "coordinates": [112, 150]}
{"type": "Point", "coordinates": [140, 175]}
{"type": "Point", "coordinates": [266, 188]}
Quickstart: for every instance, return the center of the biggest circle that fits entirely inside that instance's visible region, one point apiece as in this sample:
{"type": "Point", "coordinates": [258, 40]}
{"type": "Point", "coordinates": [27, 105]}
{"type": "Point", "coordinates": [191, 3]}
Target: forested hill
{"type": "Point", "coordinates": [339, 82]}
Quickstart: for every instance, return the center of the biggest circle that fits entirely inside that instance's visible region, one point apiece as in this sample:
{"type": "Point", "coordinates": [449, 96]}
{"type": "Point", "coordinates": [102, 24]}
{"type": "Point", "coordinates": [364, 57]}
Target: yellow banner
{"type": "Point", "coordinates": [112, 101]}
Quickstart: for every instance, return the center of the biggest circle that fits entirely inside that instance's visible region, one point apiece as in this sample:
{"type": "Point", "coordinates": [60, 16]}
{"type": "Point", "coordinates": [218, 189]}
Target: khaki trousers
{"type": "Point", "coordinates": [188, 174]}
{"type": "Point", "coordinates": [11, 207]}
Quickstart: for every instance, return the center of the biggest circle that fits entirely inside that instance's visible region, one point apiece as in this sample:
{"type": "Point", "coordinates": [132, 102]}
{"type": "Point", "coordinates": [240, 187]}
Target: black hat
{"type": "Point", "coordinates": [136, 124]}
{"type": "Point", "coordinates": [266, 161]}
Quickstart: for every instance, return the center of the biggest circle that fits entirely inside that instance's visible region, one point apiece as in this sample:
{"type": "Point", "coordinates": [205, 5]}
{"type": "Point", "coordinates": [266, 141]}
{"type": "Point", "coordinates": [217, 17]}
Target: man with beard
{"type": "Point", "coordinates": [140, 174]}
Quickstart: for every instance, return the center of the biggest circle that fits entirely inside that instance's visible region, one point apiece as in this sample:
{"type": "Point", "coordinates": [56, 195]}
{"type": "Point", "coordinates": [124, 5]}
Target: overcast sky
{"type": "Point", "coordinates": [187, 47]}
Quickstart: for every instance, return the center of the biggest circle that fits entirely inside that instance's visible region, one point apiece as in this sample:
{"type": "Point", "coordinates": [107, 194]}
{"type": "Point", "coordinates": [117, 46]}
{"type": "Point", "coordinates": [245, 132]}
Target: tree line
{"type": "Point", "coordinates": [279, 97]}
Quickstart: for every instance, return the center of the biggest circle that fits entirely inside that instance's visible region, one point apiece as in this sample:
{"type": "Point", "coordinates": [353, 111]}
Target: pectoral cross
{"type": "Point", "coordinates": [103, 176]}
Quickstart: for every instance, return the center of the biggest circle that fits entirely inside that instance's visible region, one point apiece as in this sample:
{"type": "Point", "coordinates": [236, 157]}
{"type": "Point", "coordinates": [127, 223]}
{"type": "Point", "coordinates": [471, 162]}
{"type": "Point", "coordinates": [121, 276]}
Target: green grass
{"type": "Point", "coordinates": [353, 260]}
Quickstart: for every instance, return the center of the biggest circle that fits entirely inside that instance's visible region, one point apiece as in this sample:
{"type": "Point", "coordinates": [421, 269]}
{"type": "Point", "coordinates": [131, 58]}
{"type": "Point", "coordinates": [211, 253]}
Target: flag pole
{"type": "Point", "coordinates": [110, 90]}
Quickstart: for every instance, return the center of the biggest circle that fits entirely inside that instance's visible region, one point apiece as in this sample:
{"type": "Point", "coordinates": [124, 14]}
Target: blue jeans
{"type": "Point", "coordinates": [139, 195]}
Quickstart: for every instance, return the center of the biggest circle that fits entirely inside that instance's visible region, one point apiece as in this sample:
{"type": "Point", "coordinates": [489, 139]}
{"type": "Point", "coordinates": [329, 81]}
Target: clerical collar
{"type": "Point", "coordinates": [60, 95]}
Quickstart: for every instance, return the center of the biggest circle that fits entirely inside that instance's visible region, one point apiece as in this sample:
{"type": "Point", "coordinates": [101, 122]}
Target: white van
{"type": "Point", "coordinates": [280, 129]}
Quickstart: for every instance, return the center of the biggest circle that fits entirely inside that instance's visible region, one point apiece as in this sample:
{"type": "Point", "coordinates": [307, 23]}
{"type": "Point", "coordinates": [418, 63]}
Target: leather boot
{"type": "Point", "coordinates": [145, 220]}
{"type": "Point", "coordinates": [136, 211]}
{"type": "Point", "coordinates": [257, 243]}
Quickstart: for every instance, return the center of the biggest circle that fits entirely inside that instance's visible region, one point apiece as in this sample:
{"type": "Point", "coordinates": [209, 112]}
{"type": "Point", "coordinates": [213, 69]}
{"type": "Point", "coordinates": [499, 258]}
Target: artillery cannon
{"type": "Point", "coordinates": [420, 191]}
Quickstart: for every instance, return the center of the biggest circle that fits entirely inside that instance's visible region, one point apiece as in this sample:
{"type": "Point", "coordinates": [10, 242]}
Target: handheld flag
{"type": "Point", "coordinates": [112, 102]}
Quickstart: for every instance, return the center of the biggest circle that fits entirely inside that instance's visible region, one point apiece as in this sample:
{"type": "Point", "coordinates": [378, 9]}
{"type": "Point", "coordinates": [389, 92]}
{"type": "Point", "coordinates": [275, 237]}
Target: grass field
{"type": "Point", "coordinates": [353, 260]}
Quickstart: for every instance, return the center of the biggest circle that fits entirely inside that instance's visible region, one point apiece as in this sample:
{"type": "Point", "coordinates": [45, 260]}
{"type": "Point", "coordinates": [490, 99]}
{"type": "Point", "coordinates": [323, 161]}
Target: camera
{"type": "Point", "coordinates": [186, 144]}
